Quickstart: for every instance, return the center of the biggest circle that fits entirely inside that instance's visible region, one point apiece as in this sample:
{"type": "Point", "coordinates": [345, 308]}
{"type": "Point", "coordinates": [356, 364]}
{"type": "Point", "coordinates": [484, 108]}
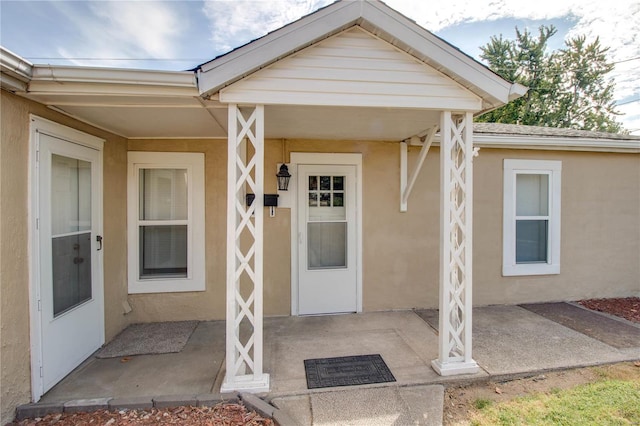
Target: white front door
{"type": "Point", "coordinates": [327, 247]}
{"type": "Point", "coordinates": [69, 288]}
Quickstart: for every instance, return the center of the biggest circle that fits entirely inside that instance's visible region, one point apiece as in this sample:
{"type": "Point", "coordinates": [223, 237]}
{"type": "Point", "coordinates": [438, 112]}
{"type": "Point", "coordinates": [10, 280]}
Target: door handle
{"type": "Point", "coordinates": [99, 240]}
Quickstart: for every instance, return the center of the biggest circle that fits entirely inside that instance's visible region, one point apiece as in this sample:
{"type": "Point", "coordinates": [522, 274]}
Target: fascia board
{"type": "Point", "coordinates": [553, 143]}
{"type": "Point", "coordinates": [440, 54]}
{"type": "Point", "coordinates": [247, 59]}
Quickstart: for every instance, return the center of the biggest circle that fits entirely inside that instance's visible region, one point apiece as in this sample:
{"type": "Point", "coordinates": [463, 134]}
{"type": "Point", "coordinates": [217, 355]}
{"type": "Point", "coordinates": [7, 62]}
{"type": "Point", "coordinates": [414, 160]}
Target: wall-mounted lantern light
{"type": "Point", "coordinates": [283, 178]}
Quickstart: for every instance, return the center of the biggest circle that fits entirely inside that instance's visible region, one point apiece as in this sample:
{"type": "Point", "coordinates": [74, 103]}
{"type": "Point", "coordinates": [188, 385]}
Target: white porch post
{"type": "Point", "coordinates": [245, 172]}
{"type": "Point", "coordinates": [456, 245]}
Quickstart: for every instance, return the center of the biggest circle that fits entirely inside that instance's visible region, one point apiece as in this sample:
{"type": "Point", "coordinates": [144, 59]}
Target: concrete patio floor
{"type": "Point", "coordinates": [507, 340]}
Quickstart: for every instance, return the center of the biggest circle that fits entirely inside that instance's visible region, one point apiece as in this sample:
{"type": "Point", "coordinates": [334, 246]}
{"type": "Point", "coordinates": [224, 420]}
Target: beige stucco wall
{"type": "Point", "coordinates": [14, 260]}
{"type": "Point", "coordinates": [209, 304]}
{"type": "Point", "coordinates": [600, 240]}
{"type": "Point", "coordinates": [600, 233]}
{"type": "Point", "coordinates": [401, 250]}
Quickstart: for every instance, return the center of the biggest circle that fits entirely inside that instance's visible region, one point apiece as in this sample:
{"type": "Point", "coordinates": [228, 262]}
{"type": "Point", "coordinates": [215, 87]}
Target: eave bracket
{"type": "Point", "coordinates": [407, 182]}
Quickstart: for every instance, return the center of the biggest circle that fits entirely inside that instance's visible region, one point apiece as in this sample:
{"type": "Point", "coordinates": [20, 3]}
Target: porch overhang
{"type": "Point", "coordinates": [412, 83]}
{"type": "Point", "coordinates": [376, 18]}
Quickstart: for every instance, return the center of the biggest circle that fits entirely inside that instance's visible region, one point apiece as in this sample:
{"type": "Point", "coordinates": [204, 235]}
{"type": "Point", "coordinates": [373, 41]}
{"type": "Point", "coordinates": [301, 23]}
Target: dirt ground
{"type": "Point", "coordinates": [223, 414]}
{"type": "Point", "coordinates": [459, 401]}
{"type": "Point", "coordinates": [627, 308]}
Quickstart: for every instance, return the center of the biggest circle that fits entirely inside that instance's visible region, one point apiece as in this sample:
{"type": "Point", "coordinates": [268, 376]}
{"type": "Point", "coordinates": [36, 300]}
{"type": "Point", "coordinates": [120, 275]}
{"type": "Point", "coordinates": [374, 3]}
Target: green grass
{"type": "Point", "coordinates": [607, 402]}
{"type": "Point", "coordinates": [481, 403]}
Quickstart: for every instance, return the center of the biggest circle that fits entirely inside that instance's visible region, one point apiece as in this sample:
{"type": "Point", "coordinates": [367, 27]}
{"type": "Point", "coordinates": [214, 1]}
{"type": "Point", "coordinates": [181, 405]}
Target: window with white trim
{"type": "Point", "coordinates": [531, 215]}
{"type": "Point", "coordinates": [166, 222]}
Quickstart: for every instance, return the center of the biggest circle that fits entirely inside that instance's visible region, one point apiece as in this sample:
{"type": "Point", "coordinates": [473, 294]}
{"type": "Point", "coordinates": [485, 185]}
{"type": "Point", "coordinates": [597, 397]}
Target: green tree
{"type": "Point", "coordinates": [568, 88]}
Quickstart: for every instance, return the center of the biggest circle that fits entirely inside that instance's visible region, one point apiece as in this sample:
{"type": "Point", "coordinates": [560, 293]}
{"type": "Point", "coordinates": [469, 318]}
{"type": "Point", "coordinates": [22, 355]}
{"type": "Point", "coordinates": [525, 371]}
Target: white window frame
{"type": "Point", "coordinates": [194, 164]}
{"type": "Point", "coordinates": [512, 168]}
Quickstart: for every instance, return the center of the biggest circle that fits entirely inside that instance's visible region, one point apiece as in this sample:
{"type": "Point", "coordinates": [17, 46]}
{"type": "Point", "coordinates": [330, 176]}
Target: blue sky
{"type": "Point", "coordinates": [178, 35]}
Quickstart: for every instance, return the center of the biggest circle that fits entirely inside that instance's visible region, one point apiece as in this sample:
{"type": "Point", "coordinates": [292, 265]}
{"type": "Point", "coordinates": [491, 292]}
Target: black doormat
{"type": "Point", "coordinates": [614, 333]}
{"type": "Point", "coordinates": [346, 371]}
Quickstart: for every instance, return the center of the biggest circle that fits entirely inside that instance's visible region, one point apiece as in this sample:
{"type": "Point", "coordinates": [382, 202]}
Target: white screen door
{"type": "Point", "coordinates": [70, 291]}
{"type": "Point", "coordinates": [327, 239]}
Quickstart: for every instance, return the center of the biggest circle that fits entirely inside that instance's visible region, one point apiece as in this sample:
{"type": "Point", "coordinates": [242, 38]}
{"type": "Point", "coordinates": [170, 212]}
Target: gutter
{"type": "Point", "coordinates": [61, 74]}
{"type": "Point", "coordinates": [550, 143]}
{"type": "Point", "coordinates": [15, 72]}
{"type": "Point", "coordinates": [516, 91]}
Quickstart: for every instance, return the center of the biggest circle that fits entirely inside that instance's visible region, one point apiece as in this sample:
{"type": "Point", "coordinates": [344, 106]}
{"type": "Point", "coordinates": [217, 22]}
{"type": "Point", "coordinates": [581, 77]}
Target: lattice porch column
{"type": "Point", "coordinates": [245, 173]}
{"type": "Point", "coordinates": [456, 245]}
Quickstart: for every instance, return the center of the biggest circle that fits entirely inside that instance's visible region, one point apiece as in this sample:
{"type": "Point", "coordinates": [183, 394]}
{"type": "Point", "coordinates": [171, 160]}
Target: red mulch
{"type": "Point", "coordinates": [224, 414]}
{"type": "Point", "coordinates": [627, 308]}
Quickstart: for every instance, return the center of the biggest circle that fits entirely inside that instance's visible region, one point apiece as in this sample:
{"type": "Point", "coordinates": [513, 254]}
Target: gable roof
{"type": "Point", "coordinates": [376, 18]}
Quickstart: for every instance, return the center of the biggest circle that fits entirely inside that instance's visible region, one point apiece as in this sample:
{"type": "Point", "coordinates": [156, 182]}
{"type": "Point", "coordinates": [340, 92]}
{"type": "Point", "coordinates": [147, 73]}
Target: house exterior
{"type": "Point", "coordinates": [123, 196]}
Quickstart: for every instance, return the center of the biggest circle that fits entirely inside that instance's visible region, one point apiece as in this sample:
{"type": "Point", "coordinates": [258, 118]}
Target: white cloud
{"type": "Point", "coordinates": [237, 22]}
{"type": "Point", "coordinates": [150, 26]}
{"type": "Point", "coordinates": [122, 29]}
{"type": "Point", "coordinates": [617, 23]}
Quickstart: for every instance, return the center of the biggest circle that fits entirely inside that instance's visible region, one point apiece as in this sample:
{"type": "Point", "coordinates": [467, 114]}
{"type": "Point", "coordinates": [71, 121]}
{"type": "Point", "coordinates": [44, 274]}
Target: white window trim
{"type": "Point", "coordinates": [554, 170]}
{"type": "Point", "coordinates": [194, 163]}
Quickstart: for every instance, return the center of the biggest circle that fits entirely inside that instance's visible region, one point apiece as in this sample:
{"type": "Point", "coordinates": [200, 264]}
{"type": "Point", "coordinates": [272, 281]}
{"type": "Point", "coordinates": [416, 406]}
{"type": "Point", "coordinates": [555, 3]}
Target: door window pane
{"type": "Point", "coordinates": [532, 195]}
{"type": "Point", "coordinates": [325, 183]}
{"type": "Point", "coordinates": [313, 183]}
{"type": "Point", "coordinates": [338, 183]}
{"type": "Point", "coordinates": [163, 251]}
{"type": "Point", "coordinates": [163, 194]}
{"type": "Point", "coordinates": [71, 269]}
{"type": "Point", "coordinates": [328, 201]}
{"type": "Point", "coordinates": [531, 241]}
{"type": "Point", "coordinates": [327, 245]}
{"type": "Point", "coordinates": [70, 195]}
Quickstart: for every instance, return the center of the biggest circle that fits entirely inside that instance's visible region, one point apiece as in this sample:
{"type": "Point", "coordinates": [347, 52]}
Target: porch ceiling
{"type": "Point", "coordinates": [156, 117]}
{"type": "Point", "coordinates": [348, 123]}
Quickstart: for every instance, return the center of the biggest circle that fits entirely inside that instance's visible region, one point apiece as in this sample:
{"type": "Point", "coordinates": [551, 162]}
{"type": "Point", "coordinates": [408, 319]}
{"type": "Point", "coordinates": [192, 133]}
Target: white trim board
{"type": "Point", "coordinates": [354, 159]}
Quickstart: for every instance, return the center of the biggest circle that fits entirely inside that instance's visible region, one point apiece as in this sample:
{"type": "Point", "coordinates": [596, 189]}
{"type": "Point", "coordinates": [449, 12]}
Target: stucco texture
{"type": "Point", "coordinates": [400, 250]}
{"type": "Point", "coordinates": [15, 367]}
{"type": "Point", "coordinates": [600, 231]}
{"type": "Point", "coordinates": [600, 245]}
{"type": "Point", "coordinates": [211, 303]}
